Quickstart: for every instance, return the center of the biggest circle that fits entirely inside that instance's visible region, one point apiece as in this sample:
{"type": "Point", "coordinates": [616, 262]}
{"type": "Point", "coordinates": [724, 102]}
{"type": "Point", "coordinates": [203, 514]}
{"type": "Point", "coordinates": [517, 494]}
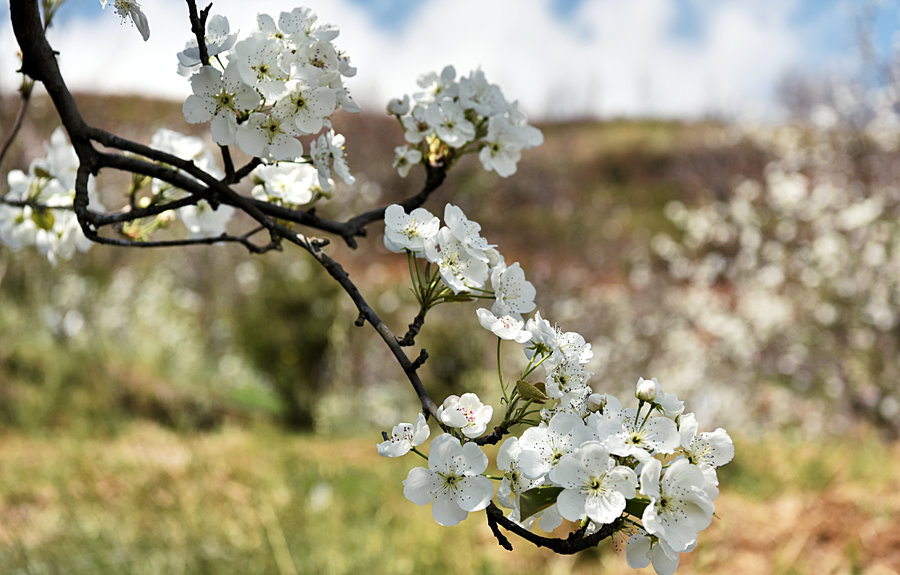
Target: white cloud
{"type": "Point", "coordinates": [609, 58]}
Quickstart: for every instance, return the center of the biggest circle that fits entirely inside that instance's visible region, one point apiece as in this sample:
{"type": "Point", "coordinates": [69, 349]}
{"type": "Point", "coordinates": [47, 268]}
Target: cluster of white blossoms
{"type": "Point", "coordinates": [263, 92]}
{"type": "Point", "coordinates": [582, 456]}
{"type": "Point", "coordinates": [468, 114]}
{"type": "Point", "coordinates": [38, 206]}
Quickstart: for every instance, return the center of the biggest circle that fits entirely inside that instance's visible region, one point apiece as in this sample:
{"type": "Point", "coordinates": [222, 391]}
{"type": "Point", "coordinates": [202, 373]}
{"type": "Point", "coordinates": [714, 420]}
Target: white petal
{"type": "Point", "coordinates": [605, 509]}
{"type": "Point", "coordinates": [420, 485]}
{"type": "Point", "coordinates": [446, 512]}
{"type": "Point", "coordinates": [637, 551]}
{"type": "Point", "coordinates": [474, 493]}
{"type": "Point", "coordinates": [571, 504]}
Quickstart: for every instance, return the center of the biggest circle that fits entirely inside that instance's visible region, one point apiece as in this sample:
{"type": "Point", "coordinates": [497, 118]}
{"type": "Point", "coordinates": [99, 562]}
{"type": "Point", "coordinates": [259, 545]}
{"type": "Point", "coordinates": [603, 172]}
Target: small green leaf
{"type": "Point", "coordinates": [537, 499]}
{"type": "Point", "coordinates": [40, 172]}
{"type": "Point", "coordinates": [531, 391]}
{"type": "Point", "coordinates": [458, 297]}
{"type": "Point", "coordinates": [43, 218]}
{"type": "Point", "coordinates": [636, 506]}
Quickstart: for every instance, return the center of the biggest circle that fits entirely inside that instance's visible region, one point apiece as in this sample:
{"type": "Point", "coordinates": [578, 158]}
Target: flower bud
{"type": "Point", "coordinates": [645, 389]}
{"type": "Point", "coordinates": [398, 107]}
{"type": "Point", "coordinates": [596, 402]}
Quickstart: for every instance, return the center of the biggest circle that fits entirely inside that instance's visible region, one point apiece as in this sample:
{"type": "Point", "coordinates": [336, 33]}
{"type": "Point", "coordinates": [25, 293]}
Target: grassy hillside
{"type": "Point", "coordinates": [262, 501]}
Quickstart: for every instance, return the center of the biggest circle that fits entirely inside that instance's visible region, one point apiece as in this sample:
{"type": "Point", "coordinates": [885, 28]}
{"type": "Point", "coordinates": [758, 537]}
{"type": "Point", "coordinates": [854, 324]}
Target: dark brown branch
{"type": "Point", "coordinates": [244, 171]}
{"type": "Point", "coordinates": [336, 271]}
{"type": "Point", "coordinates": [243, 239]}
{"type": "Point", "coordinates": [413, 330]}
{"type": "Point", "coordinates": [434, 177]}
{"type": "Point", "coordinates": [574, 543]}
{"type": "Point", "coordinates": [25, 90]}
{"type": "Point", "coordinates": [198, 27]}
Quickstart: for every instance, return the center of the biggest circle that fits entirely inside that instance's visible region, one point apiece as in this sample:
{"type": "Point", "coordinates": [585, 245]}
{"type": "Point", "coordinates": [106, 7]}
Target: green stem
{"type": "Point", "coordinates": [500, 371]}
{"type": "Point", "coordinates": [419, 453]}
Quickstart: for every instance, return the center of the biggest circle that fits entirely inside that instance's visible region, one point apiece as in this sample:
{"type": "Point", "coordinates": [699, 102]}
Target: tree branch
{"type": "Point", "coordinates": [574, 543]}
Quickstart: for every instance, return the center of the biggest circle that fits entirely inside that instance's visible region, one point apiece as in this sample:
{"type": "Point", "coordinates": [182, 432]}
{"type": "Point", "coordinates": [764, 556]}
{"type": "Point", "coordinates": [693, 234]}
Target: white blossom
{"type": "Point", "coordinates": [467, 413]}
{"type": "Point", "coordinates": [404, 437]}
{"type": "Point", "coordinates": [452, 483]}
{"type": "Point", "coordinates": [594, 486]}
{"type": "Point", "coordinates": [404, 231]}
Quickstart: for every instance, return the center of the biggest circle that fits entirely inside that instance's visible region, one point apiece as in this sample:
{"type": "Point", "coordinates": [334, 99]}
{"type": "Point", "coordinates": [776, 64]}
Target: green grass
{"type": "Point", "coordinates": [260, 500]}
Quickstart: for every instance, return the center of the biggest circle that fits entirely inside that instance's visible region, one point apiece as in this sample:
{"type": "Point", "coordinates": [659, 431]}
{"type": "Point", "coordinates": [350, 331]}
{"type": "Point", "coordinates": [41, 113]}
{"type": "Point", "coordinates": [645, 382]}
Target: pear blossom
{"type": "Point", "coordinates": [202, 221]}
{"type": "Point", "coordinates": [187, 148]}
{"type": "Point", "coordinates": [416, 127]}
{"type": "Point", "coordinates": [285, 183]}
{"type": "Point", "coordinates": [645, 389]}
{"type": "Point", "coordinates": [405, 158]}
{"type": "Point", "coordinates": [545, 445]}
{"type": "Point", "coordinates": [594, 486]}
{"type": "Point", "coordinates": [502, 148]}
{"type": "Point", "coordinates": [452, 482]}
{"type": "Point", "coordinates": [668, 403]}
{"type": "Point", "coordinates": [504, 326]}
{"type": "Point", "coordinates": [566, 377]}
{"type": "Point", "coordinates": [707, 449]}
{"type": "Point", "coordinates": [131, 9]}
{"type": "Point", "coordinates": [220, 97]}
{"type": "Point", "coordinates": [258, 64]}
{"type": "Point", "coordinates": [476, 93]}
{"type": "Point", "coordinates": [50, 224]}
{"type": "Point", "coordinates": [514, 295]}
{"type": "Point", "coordinates": [398, 106]}
{"type": "Point", "coordinates": [404, 437]}
{"type": "Point", "coordinates": [302, 25]}
{"type": "Point", "coordinates": [269, 135]}
{"type": "Point", "coordinates": [655, 435]}
{"type": "Point", "coordinates": [467, 413]}
{"type": "Point", "coordinates": [458, 268]}
{"type": "Point", "coordinates": [218, 39]}
{"type": "Point", "coordinates": [607, 417]}
{"type": "Point", "coordinates": [551, 341]}
{"type": "Point", "coordinates": [306, 103]}
{"type": "Point", "coordinates": [467, 232]}
{"type": "Point", "coordinates": [642, 549]}
{"type": "Point", "coordinates": [327, 153]}
{"type": "Point", "coordinates": [437, 87]}
{"type": "Point", "coordinates": [680, 506]}
{"type": "Point", "coordinates": [449, 121]}
{"type": "Point", "coordinates": [404, 231]}
{"type": "Point", "coordinates": [514, 482]}
{"type": "Point", "coordinates": [543, 337]}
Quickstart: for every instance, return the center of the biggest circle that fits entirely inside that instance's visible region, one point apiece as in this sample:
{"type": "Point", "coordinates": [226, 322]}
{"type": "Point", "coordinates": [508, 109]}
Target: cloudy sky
{"type": "Point", "coordinates": [560, 58]}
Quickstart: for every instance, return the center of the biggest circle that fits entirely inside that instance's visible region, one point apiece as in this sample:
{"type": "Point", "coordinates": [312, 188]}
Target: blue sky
{"type": "Point", "coordinates": [560, 57]}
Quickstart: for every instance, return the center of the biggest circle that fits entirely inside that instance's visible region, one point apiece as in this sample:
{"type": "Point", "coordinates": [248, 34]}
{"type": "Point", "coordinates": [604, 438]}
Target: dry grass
{"type": "Point", "coordinates": [255, 501]}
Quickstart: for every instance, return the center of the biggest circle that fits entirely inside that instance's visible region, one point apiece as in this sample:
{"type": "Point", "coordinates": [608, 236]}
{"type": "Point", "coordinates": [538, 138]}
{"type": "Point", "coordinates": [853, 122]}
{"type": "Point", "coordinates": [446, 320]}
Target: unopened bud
{"type": "Point", "coordinates": [398, 107]}
{"type": "Point", "coordinates": [596, 401]}
{"type": "Point", "coordinates": [646, 389]}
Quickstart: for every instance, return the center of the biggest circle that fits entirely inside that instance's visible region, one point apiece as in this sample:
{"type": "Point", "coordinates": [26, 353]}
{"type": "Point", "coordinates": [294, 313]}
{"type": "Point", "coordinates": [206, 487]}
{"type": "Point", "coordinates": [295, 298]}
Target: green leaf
{"type": "Point", "coordinates": [40, 172]}
{"type": "Point", "coordinates": [537, 499]}
{"type": "Point", "coordinates": [43, 218]}
{"type": "Point", "coordinates": [531, 391]}
{"type": "Point", "coordinates": [458, 297]}
{"type": "Point", "coordinates": [636, 506]}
